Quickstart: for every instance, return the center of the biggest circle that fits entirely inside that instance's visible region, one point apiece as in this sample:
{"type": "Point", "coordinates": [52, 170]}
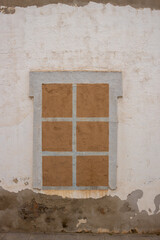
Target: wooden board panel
{"type": "Point", "coordinates": [57, 171]}
{"type": "Point", "coordinates": [92, 136]}
{"type": "Point", "coordinates": [57, 100]}
{"type": "Point", "coordinates": [92, 100]}
{"type": "Point", "coordinates": [92, 171]}
{"type": "Point", "coordinates": [56, 136]}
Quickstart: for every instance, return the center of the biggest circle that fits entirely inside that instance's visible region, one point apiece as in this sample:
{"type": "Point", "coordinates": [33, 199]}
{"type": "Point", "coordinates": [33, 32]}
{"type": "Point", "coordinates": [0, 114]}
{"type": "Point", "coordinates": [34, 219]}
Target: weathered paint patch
{"type": "Point", "coordinates": [9, 5]}
{"type": "Point", "coordinates": [7, 10]}
{"type": "Point", "coordinates": [28, 211]}
{"type": "Point", "coordinates": [15, 180]}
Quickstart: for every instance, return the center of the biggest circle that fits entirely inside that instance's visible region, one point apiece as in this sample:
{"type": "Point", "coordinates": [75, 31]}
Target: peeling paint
{"type": "Point", "coordinates": [8, 6]}
{"type": "Point", "coordinates": [7, 10]}
{"type": "Point", "coordinates": [15, 180]}
{"type": "Point", "coordinates": [80, 221]}
{"type": "Point", "coordinates": [157, 203]}
{"type": "Point", "coordinates": [34, 212]}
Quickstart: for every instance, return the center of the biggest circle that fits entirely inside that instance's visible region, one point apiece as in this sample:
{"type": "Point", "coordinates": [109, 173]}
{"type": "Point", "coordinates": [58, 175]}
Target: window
{"type": "Point", "coordinates": [75, 129]}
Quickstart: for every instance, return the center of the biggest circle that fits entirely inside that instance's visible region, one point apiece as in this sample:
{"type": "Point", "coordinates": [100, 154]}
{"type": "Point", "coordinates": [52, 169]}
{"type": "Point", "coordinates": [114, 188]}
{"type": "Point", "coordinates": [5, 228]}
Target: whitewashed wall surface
{"type": "Point", "coordinates": [94, 37]}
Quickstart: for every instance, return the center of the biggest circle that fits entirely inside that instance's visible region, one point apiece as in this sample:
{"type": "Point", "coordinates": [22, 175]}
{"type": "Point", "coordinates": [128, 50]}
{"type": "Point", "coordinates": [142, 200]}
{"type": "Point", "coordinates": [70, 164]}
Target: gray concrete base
{"type": "Point", "coordinates": [75, 236]}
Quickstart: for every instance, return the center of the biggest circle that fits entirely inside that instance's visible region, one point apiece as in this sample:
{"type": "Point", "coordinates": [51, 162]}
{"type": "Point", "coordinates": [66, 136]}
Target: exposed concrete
{"type": "Point", "coordinates": [75, 236]}
{"type": "Point", "coordinates": [153, 4]}
{"type": "Point", "coordinates": [27, 211]}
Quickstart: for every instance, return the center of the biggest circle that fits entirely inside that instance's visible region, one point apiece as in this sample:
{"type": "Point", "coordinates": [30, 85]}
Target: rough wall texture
{"type": "Point", "coordinates": [100, 37]}
{"type": "Point", "coordinates": [31, 212]}
{"type": "Point", "coordinates": [8, 6]}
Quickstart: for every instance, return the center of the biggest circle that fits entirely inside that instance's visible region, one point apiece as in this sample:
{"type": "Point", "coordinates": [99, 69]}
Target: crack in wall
{"type": "Point", "coordinates": [27, 211]}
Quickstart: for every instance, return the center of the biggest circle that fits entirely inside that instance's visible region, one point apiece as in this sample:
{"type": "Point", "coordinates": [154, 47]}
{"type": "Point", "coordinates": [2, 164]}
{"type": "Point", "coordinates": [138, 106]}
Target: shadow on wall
{"type": "Point", "coordinates": [27, 211]}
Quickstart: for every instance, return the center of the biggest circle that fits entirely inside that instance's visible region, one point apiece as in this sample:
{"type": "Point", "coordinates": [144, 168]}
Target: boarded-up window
{"type": "Point", "coordinates": [75, 129]}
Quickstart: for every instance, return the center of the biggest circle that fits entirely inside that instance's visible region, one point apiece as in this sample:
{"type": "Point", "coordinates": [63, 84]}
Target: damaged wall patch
{"type": "Point", "coordinates": [28, 211]}
{"type": "Point", "coordinates": [8, 6]}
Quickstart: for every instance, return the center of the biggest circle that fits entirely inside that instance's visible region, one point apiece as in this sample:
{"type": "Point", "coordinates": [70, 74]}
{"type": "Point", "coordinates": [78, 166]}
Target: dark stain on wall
{"type": "Point", "coordinates": [6, 4]}
{"type": "Point", "coordinates": [27, 211]}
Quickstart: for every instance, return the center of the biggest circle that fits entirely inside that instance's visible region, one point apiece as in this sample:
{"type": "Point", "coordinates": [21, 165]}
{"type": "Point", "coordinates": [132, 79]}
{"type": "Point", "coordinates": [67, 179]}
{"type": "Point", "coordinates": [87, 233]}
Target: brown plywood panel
{"type": "Point", "coordinates": [56, 100]}
{"type": "Point", "coordinates": [92, 170]}
{"type": "Point", "coordinates": [92, 136]}
{"type": "Point", "coordinates": [92, 100]}
{"type": "Point", "coordinates": [56, 136]}
{"type": "Point", "coordinates": [57, 171]}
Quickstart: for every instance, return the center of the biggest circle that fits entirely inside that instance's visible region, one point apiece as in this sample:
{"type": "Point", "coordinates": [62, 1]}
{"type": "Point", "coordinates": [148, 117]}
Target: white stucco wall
{"type": "Point", "coordinates": [94, 37]}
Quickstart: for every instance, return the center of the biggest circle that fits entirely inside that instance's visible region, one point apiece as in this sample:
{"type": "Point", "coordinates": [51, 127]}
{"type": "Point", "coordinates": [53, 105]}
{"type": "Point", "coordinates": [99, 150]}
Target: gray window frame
{"type": "Point", "coordinates": [114, 79]}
